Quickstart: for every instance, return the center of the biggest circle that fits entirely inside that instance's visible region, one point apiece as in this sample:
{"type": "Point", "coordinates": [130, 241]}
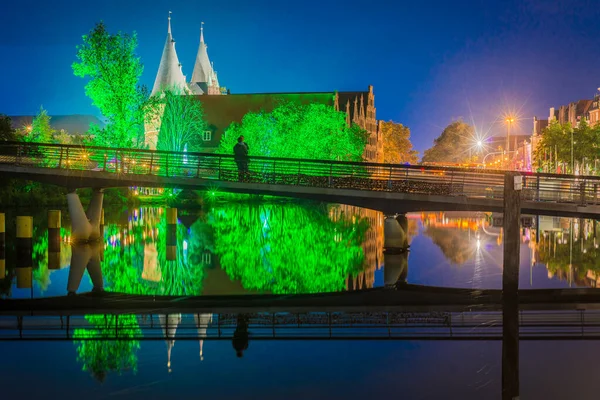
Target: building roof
{"type": "Point", "coordinates": [583, 106]}
{"type": "Point", "coordinates": [221, 111]}
{"type": "Point", "coordinates": [169, 71]}
{"type": "Point", "coordinates": [72, 124]}
{"type": "Point", "coordinates": [202, 68]}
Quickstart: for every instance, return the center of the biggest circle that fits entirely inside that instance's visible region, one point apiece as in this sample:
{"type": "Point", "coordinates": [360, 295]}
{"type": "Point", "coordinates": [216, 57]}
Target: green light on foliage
{"type": "Point", "coordinates": [313, 131]}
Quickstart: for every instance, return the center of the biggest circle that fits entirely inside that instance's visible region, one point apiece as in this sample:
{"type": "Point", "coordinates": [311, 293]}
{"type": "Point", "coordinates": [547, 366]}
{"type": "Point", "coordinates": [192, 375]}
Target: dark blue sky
{"type": "Point", "coordinates": [430, 62]}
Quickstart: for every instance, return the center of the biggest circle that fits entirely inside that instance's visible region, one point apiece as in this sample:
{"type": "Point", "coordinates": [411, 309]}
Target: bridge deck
{"type": "Point", "coordinates": [386, 187]}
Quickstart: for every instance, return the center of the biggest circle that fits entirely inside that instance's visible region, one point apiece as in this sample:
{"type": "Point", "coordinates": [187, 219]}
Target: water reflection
{"type": "Point", "coordinates": [284, 248]}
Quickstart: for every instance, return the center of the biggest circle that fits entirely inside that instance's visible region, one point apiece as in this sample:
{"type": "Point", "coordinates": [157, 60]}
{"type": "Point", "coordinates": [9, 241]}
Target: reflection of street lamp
{"type": "Point", "coordinates": [509, 121]}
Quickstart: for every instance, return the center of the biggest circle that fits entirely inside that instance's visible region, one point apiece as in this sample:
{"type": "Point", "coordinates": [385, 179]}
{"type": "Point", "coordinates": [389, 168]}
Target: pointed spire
{"type": "Point", "coordinates": [169, 73]}
{"type": "Point", "coordinates": [203, 76]}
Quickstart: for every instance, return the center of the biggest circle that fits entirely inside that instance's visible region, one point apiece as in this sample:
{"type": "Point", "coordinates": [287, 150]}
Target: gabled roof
{"type": "Point", "coordinates": [169, 71]}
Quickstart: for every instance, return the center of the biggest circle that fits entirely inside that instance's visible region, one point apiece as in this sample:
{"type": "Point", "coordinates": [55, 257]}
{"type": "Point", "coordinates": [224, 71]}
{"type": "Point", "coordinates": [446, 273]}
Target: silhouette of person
{"type": "Point", "coordinates": [240, 336]}
{"type": "Point", "coordinates": [240, 152]}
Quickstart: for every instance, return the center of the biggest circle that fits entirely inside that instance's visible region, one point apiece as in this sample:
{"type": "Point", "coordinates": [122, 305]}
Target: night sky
{"type": "Point", "coordinates": [430, 62]}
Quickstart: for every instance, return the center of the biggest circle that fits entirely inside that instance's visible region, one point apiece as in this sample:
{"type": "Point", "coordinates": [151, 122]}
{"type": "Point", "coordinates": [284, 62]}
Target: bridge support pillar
{"type": "Point", "coordinates": [81, 228]}
{"type": "Point", "coordinates": [394, 236]}
{"type": "Point", "coordinates": [94, 213]}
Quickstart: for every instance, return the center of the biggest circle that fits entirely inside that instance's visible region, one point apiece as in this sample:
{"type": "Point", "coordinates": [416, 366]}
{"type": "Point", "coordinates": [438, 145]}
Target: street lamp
{"type": "Point", "coordinates": [509, 121]}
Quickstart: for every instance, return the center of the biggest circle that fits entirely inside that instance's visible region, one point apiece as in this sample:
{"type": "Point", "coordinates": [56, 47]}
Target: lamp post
{"type": "Point", "coordinates": [509, 121]}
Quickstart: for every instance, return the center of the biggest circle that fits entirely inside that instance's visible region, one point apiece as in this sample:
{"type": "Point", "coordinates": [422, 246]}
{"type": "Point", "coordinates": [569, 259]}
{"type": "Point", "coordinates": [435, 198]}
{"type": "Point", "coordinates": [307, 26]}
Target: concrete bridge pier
{"type": "Point", "coordinates": [394, 235]}
{"type": "Point", "coordinates": [85, 227]}
{"type": "Point", "coordinates": [95, 215]}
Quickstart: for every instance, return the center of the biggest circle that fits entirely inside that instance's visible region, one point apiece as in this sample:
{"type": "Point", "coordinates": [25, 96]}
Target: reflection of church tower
{"type": "Point", "coordinates": [169, 325]}
{"type": "Point", "coordinates": [202, 321]}
{"type": "Point", "coordinates": [204, 78]}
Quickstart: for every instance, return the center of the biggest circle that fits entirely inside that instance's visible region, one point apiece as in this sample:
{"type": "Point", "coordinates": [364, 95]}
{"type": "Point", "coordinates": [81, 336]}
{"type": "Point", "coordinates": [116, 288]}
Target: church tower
{"type": "Point", "coordinates": [204, 78]}
{"type": "Point", "coordinates": [169, 73]}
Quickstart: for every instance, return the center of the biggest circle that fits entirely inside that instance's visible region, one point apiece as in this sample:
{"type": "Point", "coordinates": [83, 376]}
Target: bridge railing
{"type": "Point", "coordinates": [301, 172]}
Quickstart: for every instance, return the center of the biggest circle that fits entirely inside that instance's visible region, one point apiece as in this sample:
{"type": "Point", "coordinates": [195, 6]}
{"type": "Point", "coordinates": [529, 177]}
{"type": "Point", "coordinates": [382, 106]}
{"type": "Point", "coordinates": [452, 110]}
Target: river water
{"type": "Point", "coordinates": [290, 248]}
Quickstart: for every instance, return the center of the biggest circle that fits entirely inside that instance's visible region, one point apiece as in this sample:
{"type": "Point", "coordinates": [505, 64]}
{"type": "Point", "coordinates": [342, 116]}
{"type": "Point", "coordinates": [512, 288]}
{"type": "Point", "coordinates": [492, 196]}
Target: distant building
{"type": "Point", "coordinates": [221, 108]}
{"type": "Point", "coordinates": [71, 124]}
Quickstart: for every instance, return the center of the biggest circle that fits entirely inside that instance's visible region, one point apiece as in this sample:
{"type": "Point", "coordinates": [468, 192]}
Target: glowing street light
{"type": "Point", "coordinates": [509, 121]}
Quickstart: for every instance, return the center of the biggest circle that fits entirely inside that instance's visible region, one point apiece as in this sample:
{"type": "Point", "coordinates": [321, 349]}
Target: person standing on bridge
{"type": "Point", "coordinates": [240, 152]}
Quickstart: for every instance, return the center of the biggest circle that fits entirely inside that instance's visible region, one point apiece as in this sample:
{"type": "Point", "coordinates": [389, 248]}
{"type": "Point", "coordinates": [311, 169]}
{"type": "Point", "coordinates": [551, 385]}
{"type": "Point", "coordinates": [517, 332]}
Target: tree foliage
{"type": "Point", "coordinates": [182, 120]}
{"type": "Point", "coordinates": [113, 69]}
{"type": "Point", "coordinates": [397, 147]}
{"type": "Point", "coordinates": [41, 131]}
{"type": "Point", "coordinates": [452, 145]}
{"type": "Point", "coordinates": [553, 151]}
{"type": "Point", "coordinates": [7, 133]}
{"type": "Point", "coordinates": [313, 131]}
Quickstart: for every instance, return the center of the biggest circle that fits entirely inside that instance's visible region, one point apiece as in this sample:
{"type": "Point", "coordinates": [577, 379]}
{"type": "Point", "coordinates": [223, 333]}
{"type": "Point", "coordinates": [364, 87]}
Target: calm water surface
{"type": "Point", "coordinates": [289, 248]}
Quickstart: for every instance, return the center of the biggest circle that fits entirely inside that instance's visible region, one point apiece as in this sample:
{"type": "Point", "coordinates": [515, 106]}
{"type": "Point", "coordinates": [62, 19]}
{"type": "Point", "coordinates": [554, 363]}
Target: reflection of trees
{"type": "Point", "coordinates": [287, 248]}
{"type": "Point", "coordinates": [453, 233]}
{"type": "Point", "coordinates": [564, 253]}
{"type": "Point", "coordinates": [41, 273]}
{"type": "Point", "coordinates": [136, 260]}
{"type": "Point", "coordinates": [454, 243]}
{"type": "Point", "coordinates": [100, 356]}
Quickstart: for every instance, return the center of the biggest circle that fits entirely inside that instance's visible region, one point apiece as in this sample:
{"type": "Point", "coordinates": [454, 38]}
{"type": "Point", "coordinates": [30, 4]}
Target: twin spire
{"type": "Point", "coordinates": [204, 78]}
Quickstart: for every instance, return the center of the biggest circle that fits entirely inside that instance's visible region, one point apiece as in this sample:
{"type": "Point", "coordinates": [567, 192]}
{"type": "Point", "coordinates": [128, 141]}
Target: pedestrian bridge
{"type": "Point", "coordinates": [391, 188]}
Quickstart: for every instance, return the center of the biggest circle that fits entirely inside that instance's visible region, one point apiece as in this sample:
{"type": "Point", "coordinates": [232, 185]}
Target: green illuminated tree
{"type": "Point", "coordinates": [452, 145]}
{"type": "Point", "coordinates": [182, 121]}
{"type": "Point", "coordinates": [397, 147]}
{"type": "Point", "coordinates": [98, 354]}
{"type": "Point", "coordinates": [313, 131]}
{"type": "Point", "coordinates": [41, 131]}
{"type": "Point", "coordinates": [113, 69]}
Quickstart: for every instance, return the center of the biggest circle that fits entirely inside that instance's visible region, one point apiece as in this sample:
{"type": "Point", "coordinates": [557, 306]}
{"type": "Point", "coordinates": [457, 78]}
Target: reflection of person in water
{"type": "Point", "coordinates": [240, 336]}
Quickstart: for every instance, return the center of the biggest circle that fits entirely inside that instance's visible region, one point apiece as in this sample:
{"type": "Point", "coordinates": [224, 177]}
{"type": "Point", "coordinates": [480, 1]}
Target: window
{"type": "Point", "coordinates": [207, 136]}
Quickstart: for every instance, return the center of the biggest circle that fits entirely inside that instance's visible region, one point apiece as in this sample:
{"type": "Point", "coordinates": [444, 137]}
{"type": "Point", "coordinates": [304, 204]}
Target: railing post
{"type": "Point", "coordinates": [167, 167]}
{"type": "Point", "coordinates": [595, 193]}
{"type": "Point", "coordinates": [68, 162]}
{"type": "Point", "coordinates": [390, 179]}
{"type": "Point", "coordinates": [298, 182]}
{"type": "Point", "coordinates": [151, 163]}
{"type": "Point", "coordinates": [219, 171]}
{"type": "Point", "coordinates": [18, 156]}
{"type": "Point", "coordinates": [330, 175]}
{"type": "Point", "coordinates": [198, 168]}
{"type": "Point", "coordinates": [538, 188]}
{"type": "Point", "coordinates": [451, 181]}
{"type": "Point", "coordinates": [582, 198]}
{"type": "Point", "coordinates": [274, 180]}
{"type": "Point", "coordinates": [60, 157]}
{"type": "Point", "coordinates": [105, 161]}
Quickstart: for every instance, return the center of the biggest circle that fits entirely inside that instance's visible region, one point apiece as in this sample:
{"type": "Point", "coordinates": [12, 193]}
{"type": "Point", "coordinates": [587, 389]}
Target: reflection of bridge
{"type": "Point", "coordinates": [386, 187]}
{"type": "Point", "coordinates": [372, 325]}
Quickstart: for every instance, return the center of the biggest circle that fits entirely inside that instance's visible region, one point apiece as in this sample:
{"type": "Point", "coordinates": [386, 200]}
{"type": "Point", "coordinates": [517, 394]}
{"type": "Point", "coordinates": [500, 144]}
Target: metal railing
{"type": "Point", "coordinates": [470, 325]}
{"type": "Point", "coordinates": [415, 179]}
